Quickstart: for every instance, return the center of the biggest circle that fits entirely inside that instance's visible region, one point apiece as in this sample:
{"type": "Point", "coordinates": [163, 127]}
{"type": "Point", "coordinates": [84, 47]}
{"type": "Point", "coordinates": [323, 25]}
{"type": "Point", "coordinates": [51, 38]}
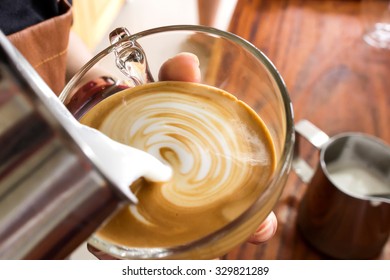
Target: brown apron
{"type": "Point", "coordinates": [45, 46]}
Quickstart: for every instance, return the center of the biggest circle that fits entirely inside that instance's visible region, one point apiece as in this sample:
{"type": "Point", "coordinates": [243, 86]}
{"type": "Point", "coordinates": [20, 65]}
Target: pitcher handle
{"type": "Point", "coordinates": [316, 137]}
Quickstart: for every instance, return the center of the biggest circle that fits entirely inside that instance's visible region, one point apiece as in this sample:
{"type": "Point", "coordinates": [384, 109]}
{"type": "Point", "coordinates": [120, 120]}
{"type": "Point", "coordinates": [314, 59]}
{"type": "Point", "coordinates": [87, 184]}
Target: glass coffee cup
{"type": "Point", "coordinates": [227, 63]}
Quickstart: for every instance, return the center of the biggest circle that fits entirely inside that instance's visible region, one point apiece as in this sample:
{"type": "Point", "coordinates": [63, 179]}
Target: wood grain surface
{"type": "Point", "coordinates": [335, 80]}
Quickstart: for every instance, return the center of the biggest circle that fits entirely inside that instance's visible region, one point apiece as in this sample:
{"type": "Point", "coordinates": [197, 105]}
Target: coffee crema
{"type": "Point", "coordinates": [220, 151]}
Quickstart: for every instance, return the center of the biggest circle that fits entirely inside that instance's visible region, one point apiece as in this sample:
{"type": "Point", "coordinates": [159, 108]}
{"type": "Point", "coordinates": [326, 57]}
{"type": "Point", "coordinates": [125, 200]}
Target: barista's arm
{"type": "Point", "coordinates": [78, 55]}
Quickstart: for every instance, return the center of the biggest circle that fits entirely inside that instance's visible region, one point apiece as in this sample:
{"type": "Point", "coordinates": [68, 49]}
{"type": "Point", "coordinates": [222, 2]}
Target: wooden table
{"type": "Point", "coordinates": [335, 80]}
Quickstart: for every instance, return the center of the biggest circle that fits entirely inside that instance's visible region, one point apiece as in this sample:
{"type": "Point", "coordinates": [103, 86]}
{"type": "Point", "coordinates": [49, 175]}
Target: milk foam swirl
{"type": "Point", "coordinates": [219, 149]}
{"type": "Point", "coordinates": [204, 141]}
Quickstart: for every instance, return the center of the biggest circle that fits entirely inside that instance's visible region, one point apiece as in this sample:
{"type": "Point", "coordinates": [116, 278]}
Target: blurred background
{"type": "Point", "coordinates": [94, 19]}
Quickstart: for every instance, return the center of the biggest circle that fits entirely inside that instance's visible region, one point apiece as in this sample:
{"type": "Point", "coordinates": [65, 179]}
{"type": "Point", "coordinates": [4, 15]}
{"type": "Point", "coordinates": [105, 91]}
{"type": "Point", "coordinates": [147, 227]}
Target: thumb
{"type": "Point", "coordinates": [182, 67]}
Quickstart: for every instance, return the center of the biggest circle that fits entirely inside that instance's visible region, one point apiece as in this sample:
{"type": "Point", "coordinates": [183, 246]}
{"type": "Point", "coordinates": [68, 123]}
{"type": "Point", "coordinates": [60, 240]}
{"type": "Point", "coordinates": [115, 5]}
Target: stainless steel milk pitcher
{"type": "Point", "coordinates": [52, 196]}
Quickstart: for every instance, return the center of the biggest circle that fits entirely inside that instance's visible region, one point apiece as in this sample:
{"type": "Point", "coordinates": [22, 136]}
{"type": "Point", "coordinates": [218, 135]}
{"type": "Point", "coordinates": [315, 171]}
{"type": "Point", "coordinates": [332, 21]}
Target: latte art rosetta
{"type": "Point", "coordinates": [218, 148]}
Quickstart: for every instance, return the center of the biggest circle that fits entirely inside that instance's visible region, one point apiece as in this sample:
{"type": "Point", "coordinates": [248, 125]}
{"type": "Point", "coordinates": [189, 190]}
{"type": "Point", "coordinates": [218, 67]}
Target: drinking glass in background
{"type": "Point", "coordinates": [376, 22]}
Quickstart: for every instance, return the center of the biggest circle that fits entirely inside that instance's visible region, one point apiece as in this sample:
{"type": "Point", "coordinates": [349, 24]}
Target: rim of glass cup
{"type": "Point", "coordinates": [283, 165]}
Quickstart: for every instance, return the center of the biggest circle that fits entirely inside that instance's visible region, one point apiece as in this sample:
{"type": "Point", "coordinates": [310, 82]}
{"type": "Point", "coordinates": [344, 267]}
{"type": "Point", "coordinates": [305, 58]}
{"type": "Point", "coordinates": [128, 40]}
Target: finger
{"type": "Point", "coordinates": [265, 231]}
{"type": "Point", "coordinates": [182, 67]}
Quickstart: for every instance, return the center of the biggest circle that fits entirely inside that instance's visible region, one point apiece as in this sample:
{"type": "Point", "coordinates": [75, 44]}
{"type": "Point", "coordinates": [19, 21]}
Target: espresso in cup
{"type": "Point", "coordinates": [220, 151]}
